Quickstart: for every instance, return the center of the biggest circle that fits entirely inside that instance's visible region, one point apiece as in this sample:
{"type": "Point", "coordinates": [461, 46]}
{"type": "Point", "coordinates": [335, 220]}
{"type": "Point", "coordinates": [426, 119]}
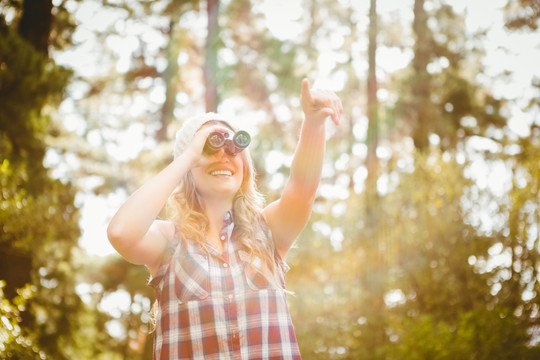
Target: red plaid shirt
{"type": "Point", "coordinates": [217, 306]}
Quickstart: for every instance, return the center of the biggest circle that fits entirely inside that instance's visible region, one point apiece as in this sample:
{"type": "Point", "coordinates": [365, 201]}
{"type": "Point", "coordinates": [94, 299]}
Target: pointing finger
{"type": "Point", "coordinates": [306, 92]}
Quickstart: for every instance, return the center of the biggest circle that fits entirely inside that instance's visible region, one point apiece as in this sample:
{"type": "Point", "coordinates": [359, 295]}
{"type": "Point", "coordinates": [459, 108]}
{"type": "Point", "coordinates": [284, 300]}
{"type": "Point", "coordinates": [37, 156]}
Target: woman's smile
{"type": "Point", "coordinates": [222, 170]}
{"type": "Point", "coordinates": [221, 173]}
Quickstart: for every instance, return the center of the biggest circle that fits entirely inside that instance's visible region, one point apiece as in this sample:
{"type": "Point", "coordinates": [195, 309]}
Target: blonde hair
{"type": "Point", "coordinates": [192, 223]}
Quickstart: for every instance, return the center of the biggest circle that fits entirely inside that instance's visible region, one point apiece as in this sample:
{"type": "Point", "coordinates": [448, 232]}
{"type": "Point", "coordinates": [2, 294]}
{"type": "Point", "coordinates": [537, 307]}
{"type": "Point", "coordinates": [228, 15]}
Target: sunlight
{"type": "Point", "coordinates": [116, 303]}
{"type": "Point", "coordinates": [94, 228]}
{"type": "Point", "coordinates": [420, 252]}
{"type": "Point", "coordinates": [394, 298]}
{"type": "Point", "coordinates": [284, 25]}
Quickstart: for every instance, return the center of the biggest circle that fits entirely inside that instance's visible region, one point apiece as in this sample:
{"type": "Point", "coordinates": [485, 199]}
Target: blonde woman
{"type": "Point", "coordinates": [218, 266]}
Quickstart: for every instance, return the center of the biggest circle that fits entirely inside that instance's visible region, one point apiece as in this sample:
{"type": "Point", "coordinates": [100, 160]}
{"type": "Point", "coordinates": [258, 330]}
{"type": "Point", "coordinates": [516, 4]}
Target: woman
{"type": "Point", "coordinates": [218, 266]}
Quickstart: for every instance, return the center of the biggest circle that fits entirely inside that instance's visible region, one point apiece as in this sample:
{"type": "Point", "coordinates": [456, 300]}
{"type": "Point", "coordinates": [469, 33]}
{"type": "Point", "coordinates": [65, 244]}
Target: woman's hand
{"type": "Point", "coordinates": [194, 151]}
{"type": "Point", "coordinates": [319, 104]}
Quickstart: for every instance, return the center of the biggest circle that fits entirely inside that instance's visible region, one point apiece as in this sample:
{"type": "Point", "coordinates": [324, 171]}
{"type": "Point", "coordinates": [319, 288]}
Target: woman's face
{"type": "Point", "coordinates": [222, 174]}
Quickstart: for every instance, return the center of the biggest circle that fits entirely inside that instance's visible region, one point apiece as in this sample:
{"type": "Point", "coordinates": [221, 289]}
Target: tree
{"type": "Point", "coordinates": [210, 60]}
{"type": "Point", "coordinates": [515, 283]}
{"type": "Point", "coordinates": [16, 341]}
{"type": "Point", "coordinates": [177, 40]}
{"type": "Point", "coordinates": [522, 14]}
{"type": "Point", "coordinates": [437, 97]}
{"type": "Point", "coordinates": [35, 24]}
{"type": "Point", "coordinates": [478, 334]}
{"type": "Point", "coordinates": [39, 218]}
{"type": "Point", "coordinates": [372, 101]}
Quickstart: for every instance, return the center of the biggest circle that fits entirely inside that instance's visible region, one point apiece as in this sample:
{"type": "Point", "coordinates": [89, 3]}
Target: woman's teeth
{"type": "Point", "coordinates": [221, 172]}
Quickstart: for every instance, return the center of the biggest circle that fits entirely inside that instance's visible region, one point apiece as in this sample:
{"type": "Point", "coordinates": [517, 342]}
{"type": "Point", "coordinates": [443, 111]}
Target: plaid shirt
{"type": "Point", "coordinates": [217, 306]}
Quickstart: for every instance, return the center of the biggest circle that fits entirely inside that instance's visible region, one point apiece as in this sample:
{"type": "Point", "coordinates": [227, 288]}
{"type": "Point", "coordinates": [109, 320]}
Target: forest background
{"type": "Point", "coordinates": [425, 236]}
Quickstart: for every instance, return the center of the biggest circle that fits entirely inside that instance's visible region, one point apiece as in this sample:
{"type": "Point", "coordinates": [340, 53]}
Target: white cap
{"type": "Point", "coordinates": [190, 127]}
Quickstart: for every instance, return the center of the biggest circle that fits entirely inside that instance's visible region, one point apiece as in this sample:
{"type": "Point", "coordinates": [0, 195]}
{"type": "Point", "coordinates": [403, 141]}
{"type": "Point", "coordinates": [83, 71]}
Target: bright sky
{"type": "Point", "coordinates": [519, 53]}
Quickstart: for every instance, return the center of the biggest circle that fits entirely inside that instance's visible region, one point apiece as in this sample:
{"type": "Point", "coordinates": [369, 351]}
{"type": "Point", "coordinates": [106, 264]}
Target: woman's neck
{"type": "Point", "coordinates": [215, 211]}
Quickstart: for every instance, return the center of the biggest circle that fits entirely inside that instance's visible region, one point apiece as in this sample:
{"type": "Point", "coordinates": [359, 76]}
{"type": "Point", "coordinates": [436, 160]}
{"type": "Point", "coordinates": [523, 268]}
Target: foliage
{"type": "Point", "coordinates": [405, 286]}
{"type": "Point", "coordinates": [476, 334]}
{"type": "Point", "coordinates": [15, 339]}
{"type": "Point", "coordinates": [39, 219]}
{"type": "Point", "coordinates": [522, 14]}
{"type": "Point", "coordinates": [516, 282]}
{"type": "Point", "coordinates": [425, 264]}
{"type": "Point", "coordinates": [112, 277]}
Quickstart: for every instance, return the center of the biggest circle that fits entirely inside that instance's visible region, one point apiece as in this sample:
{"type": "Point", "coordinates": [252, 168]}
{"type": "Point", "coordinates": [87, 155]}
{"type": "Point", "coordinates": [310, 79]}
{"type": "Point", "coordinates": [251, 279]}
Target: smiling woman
{"type": "Point", "coordinates": [218, 264]}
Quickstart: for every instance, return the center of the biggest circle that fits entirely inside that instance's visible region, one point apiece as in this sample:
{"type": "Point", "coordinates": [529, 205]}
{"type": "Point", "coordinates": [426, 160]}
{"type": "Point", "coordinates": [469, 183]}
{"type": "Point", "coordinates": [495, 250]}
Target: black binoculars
{"type": "Point", "coordinates": [216, 140]}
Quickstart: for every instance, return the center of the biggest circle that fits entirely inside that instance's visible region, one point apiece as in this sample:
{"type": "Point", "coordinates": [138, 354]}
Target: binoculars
{"type": "Point", "coordinates": [216, 140]}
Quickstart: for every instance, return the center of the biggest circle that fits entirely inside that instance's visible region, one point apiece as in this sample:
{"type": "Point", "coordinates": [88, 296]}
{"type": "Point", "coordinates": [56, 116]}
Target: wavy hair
{"type": "Point", "coordinates": [192, 222]}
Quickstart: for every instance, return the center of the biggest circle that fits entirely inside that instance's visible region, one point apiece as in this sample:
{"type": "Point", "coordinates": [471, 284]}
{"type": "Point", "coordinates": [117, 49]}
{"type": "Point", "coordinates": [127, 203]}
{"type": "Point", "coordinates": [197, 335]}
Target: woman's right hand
{"type": "Point", "coordinates": [194, 151]}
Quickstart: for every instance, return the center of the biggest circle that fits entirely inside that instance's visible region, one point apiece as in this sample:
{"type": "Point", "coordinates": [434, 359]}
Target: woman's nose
{"type": "Point", "coordinates": [220, 153]}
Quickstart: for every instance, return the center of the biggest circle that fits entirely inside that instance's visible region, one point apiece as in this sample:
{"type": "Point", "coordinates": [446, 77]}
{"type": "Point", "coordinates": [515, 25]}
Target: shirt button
{"type": "Point", "coordinates": [225, 265]}
{"type": "Point", "coordinates": [230, 297]}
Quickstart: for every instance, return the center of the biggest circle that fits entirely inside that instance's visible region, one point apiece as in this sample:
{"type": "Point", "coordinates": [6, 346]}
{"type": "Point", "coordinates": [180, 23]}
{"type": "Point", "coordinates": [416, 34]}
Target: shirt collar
{"type": "Point", "coordinates": [228, 218]}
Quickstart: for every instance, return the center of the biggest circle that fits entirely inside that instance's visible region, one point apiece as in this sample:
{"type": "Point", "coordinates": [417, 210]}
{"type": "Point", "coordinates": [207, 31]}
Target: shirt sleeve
{"type": "Point", "coordinates": [283, 266]}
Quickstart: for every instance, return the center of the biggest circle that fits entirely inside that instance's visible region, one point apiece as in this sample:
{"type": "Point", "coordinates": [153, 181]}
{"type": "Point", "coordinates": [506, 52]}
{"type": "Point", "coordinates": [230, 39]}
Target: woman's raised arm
{"type": "Point", "coordinates": [288, 215]}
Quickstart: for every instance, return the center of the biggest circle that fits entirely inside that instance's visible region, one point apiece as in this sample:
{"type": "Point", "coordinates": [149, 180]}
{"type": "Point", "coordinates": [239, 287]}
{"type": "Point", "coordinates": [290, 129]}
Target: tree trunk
{"type": "Point", "coordinates": [376, 280]}
{"type": "Point", "coordinates": [169, 76]}
{"type": "Point", "coordinates": [372, 102]}
{"type": "Point", "coordinates": [421, 106]}
{"type": "Point", "coordinates": [210, 64]}
{"type": "Point", "coordinates": [35, 25]}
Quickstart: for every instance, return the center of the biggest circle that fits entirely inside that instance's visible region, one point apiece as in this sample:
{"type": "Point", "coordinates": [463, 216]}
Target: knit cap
{"type": "Point", "coordinates": [190, 127]}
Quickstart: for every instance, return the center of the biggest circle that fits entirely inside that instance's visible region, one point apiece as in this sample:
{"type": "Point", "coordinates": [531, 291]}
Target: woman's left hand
{"type": "Point", "coordinates": [319, 104]}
